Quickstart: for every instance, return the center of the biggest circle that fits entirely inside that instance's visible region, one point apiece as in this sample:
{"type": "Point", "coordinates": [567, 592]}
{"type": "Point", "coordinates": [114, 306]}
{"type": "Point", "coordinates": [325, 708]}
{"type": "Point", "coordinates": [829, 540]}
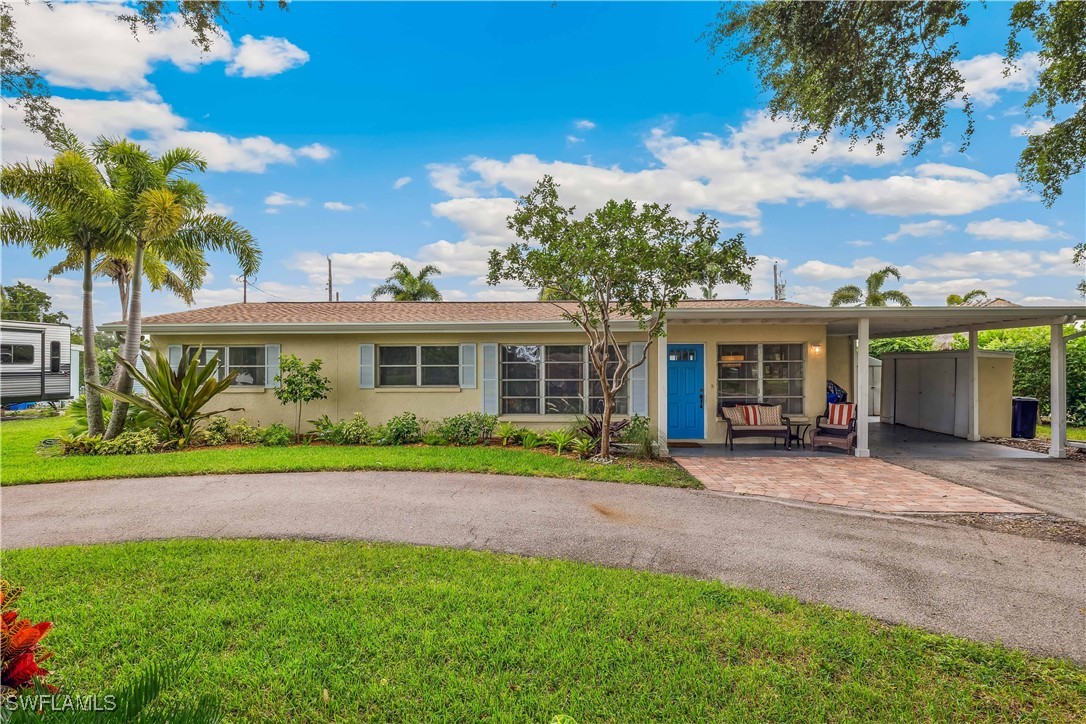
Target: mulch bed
{"type": "Point", "coordinates": [1028, 525]}
{"type": "Point", "coordinates": [1038, 445]}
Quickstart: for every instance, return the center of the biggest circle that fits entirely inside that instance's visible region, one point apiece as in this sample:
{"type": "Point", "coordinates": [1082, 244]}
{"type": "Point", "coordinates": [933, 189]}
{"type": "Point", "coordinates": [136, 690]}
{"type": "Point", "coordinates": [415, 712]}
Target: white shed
{"type": "Point", "coordinates": [930, 391]}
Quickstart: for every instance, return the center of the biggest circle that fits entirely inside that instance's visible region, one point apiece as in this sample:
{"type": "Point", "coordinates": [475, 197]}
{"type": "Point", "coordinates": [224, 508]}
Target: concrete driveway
{"type": "Point", "coordinates": [951, 579]}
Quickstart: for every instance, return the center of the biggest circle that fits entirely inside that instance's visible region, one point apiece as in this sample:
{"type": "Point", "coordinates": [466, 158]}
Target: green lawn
{"type": "Point", "coordinates": [407, 633]}
{"type": "Point", "coordinates": [1073, 433]}
{"type": "Point", "coordinates": [21, 463]}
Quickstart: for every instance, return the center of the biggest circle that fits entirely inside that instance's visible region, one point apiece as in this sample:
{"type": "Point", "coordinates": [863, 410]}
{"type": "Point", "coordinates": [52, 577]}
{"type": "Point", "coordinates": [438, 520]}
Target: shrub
{"type": "Point", "coordinates": [174, 396]}
{"type": "Point", "coordinates": [217, 431]}
{"type": "Point", "coordinates": [433, 438]}
{"type": "Point", "coordinates": [592, 427]}
{"type": "Point", "coordinates": [530, 440]}
{"type": "Point", "coordinates": [79, 444]}
{"type": "Point", "coordinates": [276, 435]}
{"type": "Point", "coordinates": [403, 429]}
{"type": "Point", "coordinates": [300, 383]}
{"type": "Point", "coordinates": [640, 436]}
{"type": "Point", "coordinates": [243, 432]}
{"type": "Point", "coordinates": [470, 428]}
{"type": "Point", "coordinates": [507, 431]}
{"type": "Point", "coordinates": [355, 431]}
{"type": "Point", "coordinates": [561, 439]}
{"type": "Point", "coordinates": [585, 447]}
{"type": "Point", "coordinates": [130, 442]}
{"type": "Point", "coordinates": [21, 654]}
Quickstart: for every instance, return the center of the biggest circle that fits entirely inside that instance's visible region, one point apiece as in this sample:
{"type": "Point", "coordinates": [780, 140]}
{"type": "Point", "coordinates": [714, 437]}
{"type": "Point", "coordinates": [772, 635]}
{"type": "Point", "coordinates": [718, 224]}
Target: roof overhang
{"type": "Point", "coordinates": [883, 321]}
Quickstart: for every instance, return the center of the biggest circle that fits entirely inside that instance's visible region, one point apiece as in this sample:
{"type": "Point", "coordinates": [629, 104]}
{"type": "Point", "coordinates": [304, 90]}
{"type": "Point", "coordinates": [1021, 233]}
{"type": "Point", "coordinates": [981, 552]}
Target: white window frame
{"type": "Point", "coordinates": [586, 379]}
{"type": "Point", "coordinates": [418, 365]}
{"type": "Point", "coordinates": [224, 367]}
{"type": "Point", "coordinates": [760, 371]}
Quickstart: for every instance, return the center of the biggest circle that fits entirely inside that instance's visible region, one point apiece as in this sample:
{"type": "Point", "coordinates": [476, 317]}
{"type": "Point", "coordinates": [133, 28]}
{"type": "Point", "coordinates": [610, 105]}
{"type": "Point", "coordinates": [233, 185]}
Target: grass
{"type": "Point", "coordinates": [1073, 433]}
{"type": "Point", "coordinates": [21, 463]}
{"type": "Point", "coordinates": [409, 633]}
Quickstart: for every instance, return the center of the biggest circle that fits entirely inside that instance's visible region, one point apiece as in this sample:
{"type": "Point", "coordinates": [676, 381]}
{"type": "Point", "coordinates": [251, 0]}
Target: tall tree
{"type": "Point", "coordinates": [873, 295]}
{"type": "Point", "coordinates": [73, 211]}
{"type": "Point", "coordinates": [868, 68]}
{"type": "Point", "coordinates": [618, 262]}
{"type": "Point", "coordinates": [25, 303]}
{"type": "Point", "coordinates": [403, 286]}
{"type": "Point", "coordinates": [1080, 260]}
{"type": "Point", "coordinates": [24, 87]}
{"type": "Point", "coordinates": [162, 211]}
{"type": "Point", "coordinates": [957, 300]}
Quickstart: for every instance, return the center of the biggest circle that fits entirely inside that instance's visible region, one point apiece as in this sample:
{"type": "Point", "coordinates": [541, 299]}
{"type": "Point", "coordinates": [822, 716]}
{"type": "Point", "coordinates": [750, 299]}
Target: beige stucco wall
{"type": "Point", "coordinates": [340, 355]}
{"type": "Point", "coordinates": [995, 380]}
{"type": "Point", "coordinates": [839, 362]}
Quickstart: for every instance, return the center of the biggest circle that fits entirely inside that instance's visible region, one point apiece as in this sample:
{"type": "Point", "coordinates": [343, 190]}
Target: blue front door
{"type": "Point", "coordinates": [685, 392]}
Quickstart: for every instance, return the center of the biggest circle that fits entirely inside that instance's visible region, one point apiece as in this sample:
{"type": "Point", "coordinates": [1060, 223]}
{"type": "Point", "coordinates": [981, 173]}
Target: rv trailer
{"type": "Point", "coordinates": [35, 362]}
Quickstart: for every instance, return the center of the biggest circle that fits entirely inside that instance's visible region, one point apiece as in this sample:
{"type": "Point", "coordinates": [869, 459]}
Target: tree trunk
{"type": "Point", "coordinates": [131, 348]}
{"type": "Point", "coordinates": [95, 423]}
{"type": "Point", "coordinates": [122, 289]}
{"type": "Point", "coordinates": [605, 435]}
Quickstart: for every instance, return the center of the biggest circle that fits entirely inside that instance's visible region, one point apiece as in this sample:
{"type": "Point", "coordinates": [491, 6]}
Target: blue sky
{"type": "Point", "coordinates": [386, 131]}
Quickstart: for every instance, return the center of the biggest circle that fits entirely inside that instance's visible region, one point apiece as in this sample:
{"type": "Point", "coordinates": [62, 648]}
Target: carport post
{"type": "Point", "coordinates": [1058, 393]}
{"type": "Point", "coordinates": [974, 387]}
{"type": "Point", "coordinates": [863, 380]}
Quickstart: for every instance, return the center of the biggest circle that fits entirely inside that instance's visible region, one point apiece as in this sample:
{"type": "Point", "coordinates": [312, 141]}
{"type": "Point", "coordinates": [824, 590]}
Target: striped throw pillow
{"type": "Point", "coordinates": [753, 414]}
{"type": "Point", "coordinates": [771, 415]}
{"type": "Point", "coordinates": [840, 413]}
{"type": "Point", "coordinates": [735, 416]}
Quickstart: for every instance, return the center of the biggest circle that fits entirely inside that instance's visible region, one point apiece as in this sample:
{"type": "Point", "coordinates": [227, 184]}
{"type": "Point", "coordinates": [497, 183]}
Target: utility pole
{"type": "Point", "coordinates": [778, 284]}
{"type": "Point", "coordinates": [245, 289]}
{"type": "Point", "coordinates": [329, 278]}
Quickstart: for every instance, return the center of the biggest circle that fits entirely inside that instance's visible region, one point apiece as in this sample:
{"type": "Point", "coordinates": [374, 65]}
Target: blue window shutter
{"type": "Point", "coordinates": [639, 381]}
{"type": "Point", "coordinates": [365, 366]}
{"type": "Point", "coordinates": [490, 379]}
{"type": "Point", "coordinates": [467, 366]}
{"type": "Point", "coordinates": [173, 354]}
{"type": "Point", "coordinates": [271, 361]}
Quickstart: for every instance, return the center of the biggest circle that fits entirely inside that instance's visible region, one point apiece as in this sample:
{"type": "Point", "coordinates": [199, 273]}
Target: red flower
{"type": "Point", "coordinates": [22, 670]}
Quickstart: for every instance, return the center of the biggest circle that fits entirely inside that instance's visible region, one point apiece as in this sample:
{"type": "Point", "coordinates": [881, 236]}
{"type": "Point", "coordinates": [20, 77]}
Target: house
{"type": "Point", "coordinates": [524, 362]}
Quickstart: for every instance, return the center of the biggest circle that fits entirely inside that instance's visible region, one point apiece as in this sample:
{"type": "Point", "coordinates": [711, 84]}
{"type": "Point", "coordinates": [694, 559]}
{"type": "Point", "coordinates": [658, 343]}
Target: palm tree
{"type": "Point", "coordinates": [71, 202]}
{"type": "Point", "coordinates": [403, 286]}
{"type": "Point", "coordinates": [160, 212]}
{"type": "Point", "coordinates": [875, 295]}
{"type": "Point", "coordinates": [118, 269]}
{"type": "Point", "coordinates": [958, 300]}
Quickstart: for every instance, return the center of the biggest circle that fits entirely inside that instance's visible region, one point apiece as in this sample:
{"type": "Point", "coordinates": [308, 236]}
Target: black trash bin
{"type": "Point", "coordinates": [1024, 417]}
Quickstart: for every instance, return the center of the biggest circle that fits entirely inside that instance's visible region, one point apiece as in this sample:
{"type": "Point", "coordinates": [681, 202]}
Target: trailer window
{"type": "Point", "coordinates": [54, 357]}
{"type": "Point", "coordinates": [16, 354]}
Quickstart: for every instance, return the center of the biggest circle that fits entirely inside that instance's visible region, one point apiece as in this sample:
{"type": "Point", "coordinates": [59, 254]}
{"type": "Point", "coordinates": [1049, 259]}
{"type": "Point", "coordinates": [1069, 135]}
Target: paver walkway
{"type": "Point", "coordinates": [860, 484]}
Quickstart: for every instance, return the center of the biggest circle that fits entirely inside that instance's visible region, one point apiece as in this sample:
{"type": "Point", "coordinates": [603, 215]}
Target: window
{"type": "Point", "coordinates": [251, 363]}
{"type": "Point", "coordinates": [16, 354]}
{"type": "Point", "coordinates": [552, 380]}
{"type": "Point", "coordinates": [418, 365]}
{"type": "Point", "coordinates": [768, 373]}
{"type": "Point", "coordinates": [54, 357]}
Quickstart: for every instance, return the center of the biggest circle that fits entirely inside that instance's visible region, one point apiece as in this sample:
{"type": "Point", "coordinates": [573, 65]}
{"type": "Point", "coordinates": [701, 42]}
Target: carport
{"type": "Point", "coordinates": [861, 325]}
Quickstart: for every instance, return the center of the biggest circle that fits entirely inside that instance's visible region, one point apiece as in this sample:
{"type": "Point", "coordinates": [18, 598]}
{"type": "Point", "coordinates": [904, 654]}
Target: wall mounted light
{"type": "Point", "coordinates": [816, 349]}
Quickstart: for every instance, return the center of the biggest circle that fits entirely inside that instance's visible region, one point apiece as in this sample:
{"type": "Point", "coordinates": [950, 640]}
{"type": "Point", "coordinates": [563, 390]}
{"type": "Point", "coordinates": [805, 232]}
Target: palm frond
{"type": "Point", "coordinates": [848, 294]}
{"type": "Point", "coordinates": [900, 298]}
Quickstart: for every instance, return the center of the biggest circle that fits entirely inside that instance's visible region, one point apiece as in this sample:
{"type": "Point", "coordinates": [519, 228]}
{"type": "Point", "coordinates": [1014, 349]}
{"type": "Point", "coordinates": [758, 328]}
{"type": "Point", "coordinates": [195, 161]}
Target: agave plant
{"type": "Point", "coordinates": [175, 398]}
{"type": "Point", "coordinates": [561, 439]}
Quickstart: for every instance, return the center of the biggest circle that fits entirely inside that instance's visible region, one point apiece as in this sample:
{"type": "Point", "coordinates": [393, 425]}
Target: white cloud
{"type": "Point", "coordinates": [261, 57]}
{"type": "Point", "coordinates": [401, 182]}
{"type": "Point", "coordinates": [573, 139]}
{"type": "Point", "coordinates": [214, 207]}
{"type": "Point", "coordinates": [584, 125]}
{"type": "Point", "coordinates": [934, 227]}
{"type": "Point", "coordinates": [271, 210]}
{"type": "Point", "coordinates": [1036, 127]}
{"type": "Point", "coordinates": [1027, 230]}
{"type": "Point", "coordinates": [337, 206]}
{"type": "Point", "coordinates": [278, 198]}
{"type": "Point", "coordinates": [985, 76]}
{"type": "Point", "coordinates": [348, 267]}
{"type": "Point", "coordinates": [316, 152]}
{"type": "Point", "coordinates": [858, 243]}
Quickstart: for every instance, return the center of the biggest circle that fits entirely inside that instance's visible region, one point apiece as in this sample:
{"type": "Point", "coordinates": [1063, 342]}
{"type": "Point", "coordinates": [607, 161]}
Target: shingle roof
{"type": "Point", "coordinates": [402, 312]}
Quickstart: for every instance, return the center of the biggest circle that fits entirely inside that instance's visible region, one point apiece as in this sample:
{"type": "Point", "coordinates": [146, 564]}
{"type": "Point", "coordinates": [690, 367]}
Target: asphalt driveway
{"type": "Point", "coordinates": [952, 579]}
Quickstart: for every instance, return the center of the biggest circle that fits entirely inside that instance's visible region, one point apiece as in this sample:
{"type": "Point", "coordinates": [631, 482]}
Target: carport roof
{"type": "Point", "coordinates": [893, 321]}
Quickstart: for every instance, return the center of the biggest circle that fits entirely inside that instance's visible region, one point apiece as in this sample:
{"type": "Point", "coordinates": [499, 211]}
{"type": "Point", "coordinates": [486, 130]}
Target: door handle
{"type": "Point", "coordinates": [701, 398]}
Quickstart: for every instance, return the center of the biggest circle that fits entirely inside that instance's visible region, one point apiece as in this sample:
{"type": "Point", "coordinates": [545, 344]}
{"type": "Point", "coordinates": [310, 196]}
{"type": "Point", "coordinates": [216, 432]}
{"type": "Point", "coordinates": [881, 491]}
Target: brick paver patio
{"type": "Point", "coordinates": [860, 484]}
